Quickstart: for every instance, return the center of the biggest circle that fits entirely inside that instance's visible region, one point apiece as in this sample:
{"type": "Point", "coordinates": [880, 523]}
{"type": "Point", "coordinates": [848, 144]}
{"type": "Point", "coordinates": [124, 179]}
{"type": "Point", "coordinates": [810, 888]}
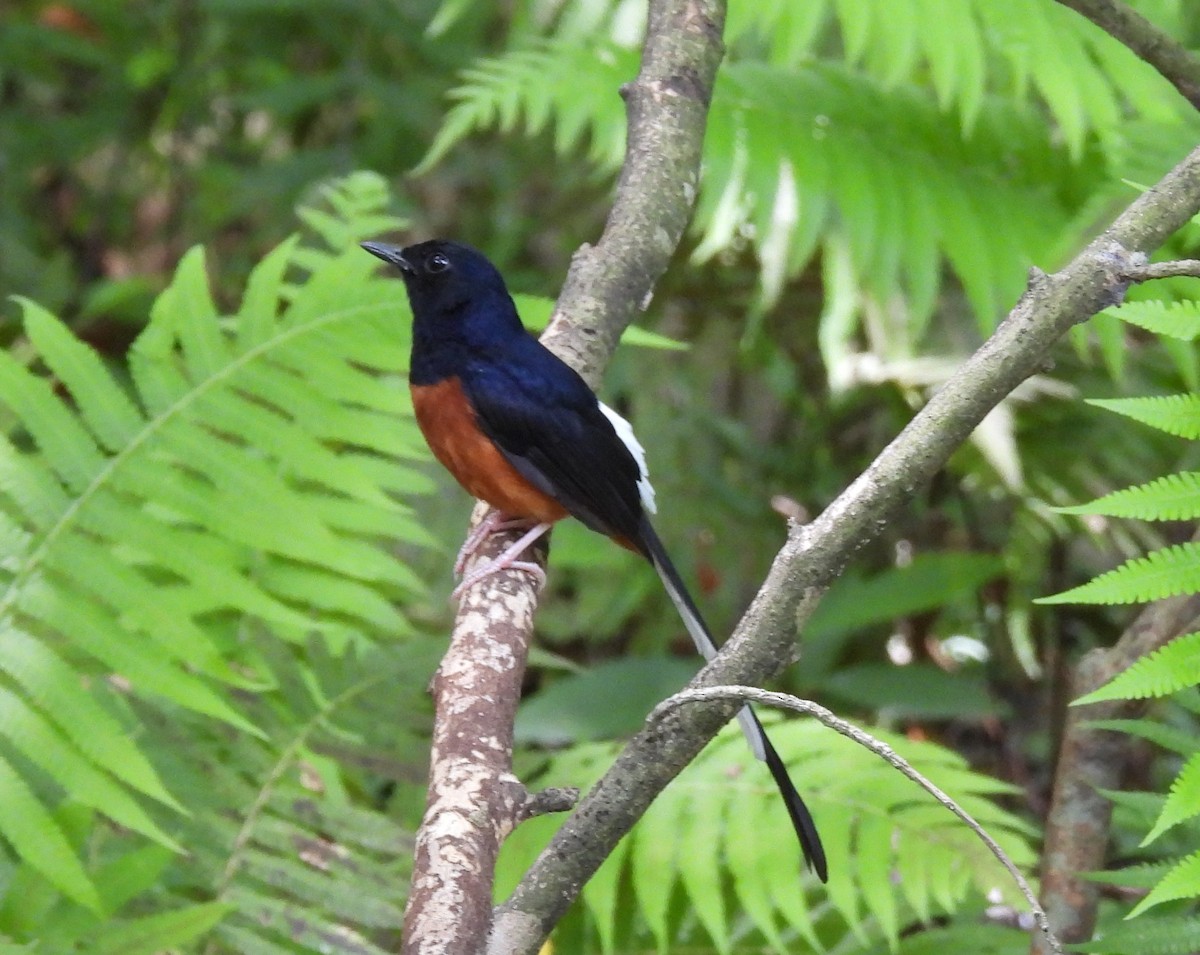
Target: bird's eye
{"type": "Point", "coordinates": [436, 263]}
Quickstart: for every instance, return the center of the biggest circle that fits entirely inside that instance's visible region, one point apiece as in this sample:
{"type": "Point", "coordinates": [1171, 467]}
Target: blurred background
{"type": "Point", "coordinates": [878, 179]}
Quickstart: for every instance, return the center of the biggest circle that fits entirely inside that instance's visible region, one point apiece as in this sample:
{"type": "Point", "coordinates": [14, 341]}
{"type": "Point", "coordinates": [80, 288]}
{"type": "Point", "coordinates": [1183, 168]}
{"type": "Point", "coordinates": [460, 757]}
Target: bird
{"type": "Point", "coordinates": [520, 429]}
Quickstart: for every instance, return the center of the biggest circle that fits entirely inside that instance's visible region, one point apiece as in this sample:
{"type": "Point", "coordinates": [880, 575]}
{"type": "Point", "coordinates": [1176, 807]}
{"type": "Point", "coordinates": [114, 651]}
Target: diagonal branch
{"type": "Point", "coordinates": [1162, 51]}
{"type": "Point", "coordinates": [814, 555]}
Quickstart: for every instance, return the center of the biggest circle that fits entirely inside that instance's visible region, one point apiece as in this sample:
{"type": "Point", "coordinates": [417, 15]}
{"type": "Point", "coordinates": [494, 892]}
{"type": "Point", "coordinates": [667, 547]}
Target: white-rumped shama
{"type": "Point", "coordinates": [521, 430]}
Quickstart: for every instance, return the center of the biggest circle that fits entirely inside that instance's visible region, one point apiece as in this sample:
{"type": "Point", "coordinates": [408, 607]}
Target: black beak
{"type": "Point", "coordinates": [392, 254]}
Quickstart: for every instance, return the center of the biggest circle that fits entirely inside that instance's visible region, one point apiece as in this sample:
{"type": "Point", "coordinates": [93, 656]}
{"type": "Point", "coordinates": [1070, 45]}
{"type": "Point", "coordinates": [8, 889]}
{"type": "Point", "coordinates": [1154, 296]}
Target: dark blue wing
{"type": "Point", "coordinates": [548, 423]}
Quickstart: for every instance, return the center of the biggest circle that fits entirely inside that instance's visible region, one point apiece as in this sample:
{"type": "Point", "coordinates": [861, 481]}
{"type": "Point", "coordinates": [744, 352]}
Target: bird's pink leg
{"type": "Point", "coordinates": [493, 521]}
{"type": "Point", "coordinates": [507, 560]}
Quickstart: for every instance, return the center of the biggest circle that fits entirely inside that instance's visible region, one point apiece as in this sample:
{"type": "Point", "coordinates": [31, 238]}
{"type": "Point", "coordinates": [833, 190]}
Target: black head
{"type": "Point", "coordinates": [443, 277]}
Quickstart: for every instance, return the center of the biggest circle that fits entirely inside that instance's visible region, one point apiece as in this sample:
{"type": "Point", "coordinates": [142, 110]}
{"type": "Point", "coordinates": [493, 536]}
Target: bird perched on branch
{"type": "Point", "coordinates": [519, 429]}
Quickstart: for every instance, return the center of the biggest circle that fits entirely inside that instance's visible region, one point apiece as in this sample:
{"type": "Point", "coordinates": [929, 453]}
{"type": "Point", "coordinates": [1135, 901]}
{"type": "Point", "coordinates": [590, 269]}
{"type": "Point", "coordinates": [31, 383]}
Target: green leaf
{"type": "Point", "coordinates": [1182, 803]}
{"type": "Point", "coordinates": [1180, 320]}
{"type": "Point", "coordinates": [1181, 882]}
{"type": "Point", "coordinates": [915, 691]}
{"type": "Point", "coordinates": [67, 447]}
{"type": "Point", "coordinates": [46, 747]}
{"type": "Point", "coordinates": [700, 833]}
{"type": "Point", "coordinates": [1149, 935]}
{"type": "Point", "coordinates": [104, 405]}
{"type": "Point", "coordinates": [37, 838]}
{"type": "Point", "coordinates": [152, 934]}
{"type": "Point", "coordinates": [1161, 573]}
{"type": "Point", "coordinates": [194, 318]}
{"type": "Point", "coordinates": [608, 700]}
{"type": "Point", "coordinates": [1174, 414]}
{"type": "Point", "coordinates": [52, 684]}
{"type": "Point", "coordinates": [1174, 497]}
{"type": "Point", "coordinates": [931, 581]}
{"type": "Point", "coordinates": [1165, 671]}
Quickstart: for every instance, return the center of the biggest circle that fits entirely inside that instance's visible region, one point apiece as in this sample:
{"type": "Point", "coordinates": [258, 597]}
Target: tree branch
{"type": "Point", "coordinates": [814, 555]}
{"type": "Point", "coordinates": [667, 109]}
{"type": "Point", "coordinates": [473, 801]}
{"type": "Point", "coordinates": [1154, 45]}
{"type": "Point", "coordinates": [1178, 268]}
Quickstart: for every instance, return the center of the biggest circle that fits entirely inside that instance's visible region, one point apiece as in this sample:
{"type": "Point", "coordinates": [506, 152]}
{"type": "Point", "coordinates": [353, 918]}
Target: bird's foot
{"type": "Point", "coordinates": [493, 522]}
{"type": "Point", "coordinates": [507, 561]}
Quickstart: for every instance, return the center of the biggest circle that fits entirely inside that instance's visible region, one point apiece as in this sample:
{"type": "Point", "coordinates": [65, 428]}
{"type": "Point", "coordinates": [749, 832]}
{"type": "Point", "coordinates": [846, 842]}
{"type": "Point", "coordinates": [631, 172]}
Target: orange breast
{"type": "Point", "coordinates": [453, 434]}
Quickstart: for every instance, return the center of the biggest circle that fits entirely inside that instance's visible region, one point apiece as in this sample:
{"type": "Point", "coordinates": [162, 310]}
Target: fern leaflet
{"type": "Point", "coordinates": [1161, 573]}
{"type": "Point", "coordinates": [1165, 671]}
{"type": "Point", "coordinates": [1173, 497]}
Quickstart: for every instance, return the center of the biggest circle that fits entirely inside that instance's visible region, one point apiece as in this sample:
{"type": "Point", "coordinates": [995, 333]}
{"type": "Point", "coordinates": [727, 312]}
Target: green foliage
{"type": "Point", "coordinates": [1164, 573]}
{"type": "Point", "coordinates": [1174, 319]}
{"type": "Point", "coordinates": [1166, 671]}
{"type": "Point", "coordinates": [1175, 414]}
{"type": "Point", "coordinates": [882, 157]}
{"type": "Point", "coordinates": [178, 124]}
{"type": "Point", "coordinates": [864, 131]}
{"type": "Point", "coordinates": [1167, 935]}
{"type": "Point", "coordinates": [242, 481]}
{"type": "Point", "coordinates": [1171, 571]}
{"type": "Point", "coordinates": [1173, 497]}
{"type": "Point", "coordinates": [713, 864]}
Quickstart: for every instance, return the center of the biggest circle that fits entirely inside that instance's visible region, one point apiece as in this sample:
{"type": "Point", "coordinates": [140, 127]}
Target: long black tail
{"type": "Point", "coordinates": [802, 821]}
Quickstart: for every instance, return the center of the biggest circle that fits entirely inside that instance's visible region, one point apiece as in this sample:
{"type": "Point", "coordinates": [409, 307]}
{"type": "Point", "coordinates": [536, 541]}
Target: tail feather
{"type": "Point", "coordinates": [802, 820]}
{"type": "Point", "coordinates": [756, 736]}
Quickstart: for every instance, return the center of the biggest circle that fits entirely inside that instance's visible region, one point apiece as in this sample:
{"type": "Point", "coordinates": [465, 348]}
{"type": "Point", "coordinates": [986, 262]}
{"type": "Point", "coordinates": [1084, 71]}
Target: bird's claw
{"type": "Point", "coordinates": [490, 568]}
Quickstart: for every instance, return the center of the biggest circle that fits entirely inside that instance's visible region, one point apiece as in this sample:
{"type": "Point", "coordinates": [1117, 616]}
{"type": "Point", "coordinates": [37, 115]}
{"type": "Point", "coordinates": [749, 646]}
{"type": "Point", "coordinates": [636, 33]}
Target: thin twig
{"type": "Point", "coordinates": [750, 694]}
{"type": "Point", "coordinates": [1180, 268]}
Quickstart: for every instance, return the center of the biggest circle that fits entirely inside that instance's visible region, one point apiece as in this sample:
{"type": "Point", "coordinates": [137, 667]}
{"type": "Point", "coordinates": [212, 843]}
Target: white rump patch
{"type": "Point", "coordinates": [625, 432]}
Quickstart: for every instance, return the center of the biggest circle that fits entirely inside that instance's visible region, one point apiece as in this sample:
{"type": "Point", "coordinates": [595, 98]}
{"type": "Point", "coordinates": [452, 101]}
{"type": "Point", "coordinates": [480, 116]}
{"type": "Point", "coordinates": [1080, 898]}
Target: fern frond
{"type": "Point", "coordinates": [1183, 801]}
{"type": "Point", "coordinates": [1168, 737]}
{"type": "Point", "coordinates": [965, 50]}
{"type": "Point", "coordinates": [250, 480]}
{"type": "Point", "coordinates": [509, 93]}
{"type": "Point", "coordinates": [1174, 414]}
{"type": "Point", "coordinates": [887, 160]}
{"type": "Point", "coordinates": [1181, 882]}
{"type": "Point", "coordinates": [299, 862]}
{"type": "Point", "coordinates": [148, 935]}
{"type": "Point", "coordinates": [32, 831]}
{"type": "Point", "coordinates": [1153, 935]}
{"type": "Point", "coordinates": [1179, 320]}
{"type": "Point", "coordinates": [819, 141]}
{"type": "Point", "coordinates": [1174, 497]}
{"type": "Point", "coordinates": [1161, 573]}
{"type": "Point", "coordinates": [718, 838]}
{"type": "Point", "coordinates": [1167, 670]}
